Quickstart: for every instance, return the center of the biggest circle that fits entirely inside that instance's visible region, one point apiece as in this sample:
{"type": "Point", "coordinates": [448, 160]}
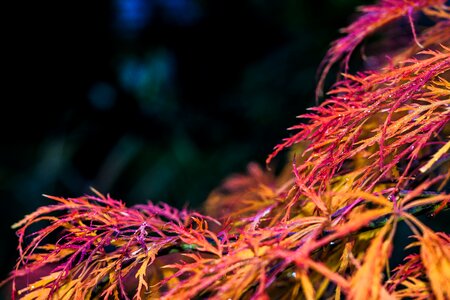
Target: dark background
{"type": "Point", "coordinates": [150, 100]}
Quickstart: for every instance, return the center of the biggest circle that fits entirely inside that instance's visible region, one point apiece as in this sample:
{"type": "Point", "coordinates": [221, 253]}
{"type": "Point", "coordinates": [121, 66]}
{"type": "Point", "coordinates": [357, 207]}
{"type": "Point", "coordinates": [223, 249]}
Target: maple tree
{"type": "Point", "coordinates": [373, 154]}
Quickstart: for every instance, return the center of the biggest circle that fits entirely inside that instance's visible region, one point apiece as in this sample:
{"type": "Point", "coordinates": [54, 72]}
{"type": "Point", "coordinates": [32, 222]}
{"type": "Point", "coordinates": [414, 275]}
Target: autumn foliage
{"type": "Point", "coordinates": [373, 154]}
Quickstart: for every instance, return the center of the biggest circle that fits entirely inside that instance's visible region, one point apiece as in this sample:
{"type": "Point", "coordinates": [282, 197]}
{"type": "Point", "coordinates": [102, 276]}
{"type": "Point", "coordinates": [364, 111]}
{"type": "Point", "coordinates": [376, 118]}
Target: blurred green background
{"type": "Point", "coordinates": [150, 99]}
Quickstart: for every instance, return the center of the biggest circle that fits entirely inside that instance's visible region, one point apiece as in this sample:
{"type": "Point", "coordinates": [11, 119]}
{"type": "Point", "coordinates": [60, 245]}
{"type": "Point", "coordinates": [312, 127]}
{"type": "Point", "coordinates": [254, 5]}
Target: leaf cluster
{"type": "Point", "coordinates": [374, 153]}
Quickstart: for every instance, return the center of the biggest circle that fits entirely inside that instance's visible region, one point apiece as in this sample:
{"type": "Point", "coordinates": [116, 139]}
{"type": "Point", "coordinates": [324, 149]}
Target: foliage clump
{"type": "Point", "coordinates": [374, 153]}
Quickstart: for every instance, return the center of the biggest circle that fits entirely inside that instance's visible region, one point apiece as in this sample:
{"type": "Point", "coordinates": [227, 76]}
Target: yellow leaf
{"type": "Point", "coordinates": [40, 294]}
{"type": "Point", "coordinates": [435, 254]}
{"type": "Point", "coordinates": [435, 157]}
{"type": "Point", "coordinates": [366, 283]}
{"type": "Point", "coordinates": [307, 286]}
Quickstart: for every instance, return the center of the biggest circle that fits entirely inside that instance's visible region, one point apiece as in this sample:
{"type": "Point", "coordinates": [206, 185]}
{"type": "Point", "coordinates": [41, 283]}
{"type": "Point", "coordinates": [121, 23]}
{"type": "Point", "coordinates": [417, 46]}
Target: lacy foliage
{"type": "Point", "coordinates": [373, 154]}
